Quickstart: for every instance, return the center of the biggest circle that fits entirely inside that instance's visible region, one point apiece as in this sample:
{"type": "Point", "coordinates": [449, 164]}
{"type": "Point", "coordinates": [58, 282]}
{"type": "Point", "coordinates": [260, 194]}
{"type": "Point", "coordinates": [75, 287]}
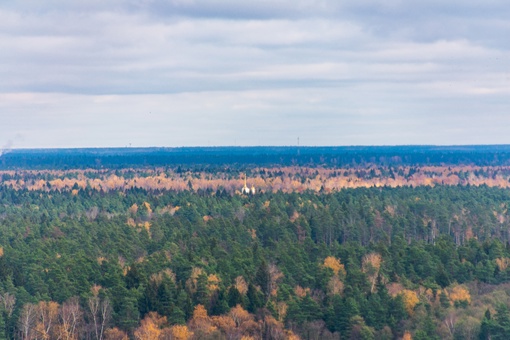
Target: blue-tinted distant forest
{"type": "Point", "coordinates": [256, 156]}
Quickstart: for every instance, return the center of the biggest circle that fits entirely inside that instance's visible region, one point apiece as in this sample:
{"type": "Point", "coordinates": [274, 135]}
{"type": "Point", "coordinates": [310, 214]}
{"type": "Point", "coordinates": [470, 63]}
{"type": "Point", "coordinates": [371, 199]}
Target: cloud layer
{"type": "Point", "coordinates": [184, 72]}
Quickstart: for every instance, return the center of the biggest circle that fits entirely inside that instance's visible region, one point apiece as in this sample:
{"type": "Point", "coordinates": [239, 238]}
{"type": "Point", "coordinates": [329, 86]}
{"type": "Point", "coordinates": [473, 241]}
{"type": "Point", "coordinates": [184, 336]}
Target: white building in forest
{"type": "Point", "coordinates": [247, 191]}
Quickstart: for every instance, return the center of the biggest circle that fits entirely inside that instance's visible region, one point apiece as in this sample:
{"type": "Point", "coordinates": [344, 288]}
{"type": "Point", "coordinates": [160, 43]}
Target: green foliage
{"type": "Point", "coordinates": [56, 246]}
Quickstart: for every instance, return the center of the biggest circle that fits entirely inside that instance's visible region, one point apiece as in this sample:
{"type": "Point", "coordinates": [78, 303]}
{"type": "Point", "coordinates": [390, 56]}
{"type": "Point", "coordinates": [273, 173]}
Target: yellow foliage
{"type": "Point", "coordinates": [191, 283]}
{"type": "Point", "coordinates": [158, 278]}
{"type": "Point", "coordinates": [459, 293]}
{"type": "Point", "coordinates": [253, 233]}
{"type": "Point", "coordinates": [133, 209]}
{"type": "Point", "coordinates": [281, 308]}
{"type": "Point", "coordinates": [150, 327]}
{"type": "Point", "coordinates": [147, 207]}
{"type": "Point", "coordinates": [503, 263]}
{"type": "Point", "coordinates": [410, 300]}
{"type": "Point", "coordinates": [334, 264]}
{"type": "Point", "coordinates": [181, 332]}
{"type": "Point", "coordinates": [1, 251]}
{"type": "Point", "coordinates": [291, 336]}
{"type": "Point", "coordinates": [148, 331]}
{"type": "Point", "coordinates": [213, 282]}
{"type": "Point", "coordinates": [146, 225]}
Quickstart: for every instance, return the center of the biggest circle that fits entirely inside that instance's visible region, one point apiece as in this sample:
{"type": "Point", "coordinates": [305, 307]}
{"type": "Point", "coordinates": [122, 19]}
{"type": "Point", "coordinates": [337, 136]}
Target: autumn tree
{"type": "Point", "coordinates": [70, 317]}
{"type": "Point", "coordinates": [150, 327]}
{"type": "Point", "coordinates": [200, 322]}
{"type": "Point", "coordinates": [335, 265]}
{"type": "Point", "coordinates": [370, 266]}
{"type": "Point", "coordinates": [115, 334]}
{"type": "Point", "coordinates": [410, 300]}
{"type": "Point", "coordinates": [180, 332]}
{"type": "Point", "coordinates": [47, 319]}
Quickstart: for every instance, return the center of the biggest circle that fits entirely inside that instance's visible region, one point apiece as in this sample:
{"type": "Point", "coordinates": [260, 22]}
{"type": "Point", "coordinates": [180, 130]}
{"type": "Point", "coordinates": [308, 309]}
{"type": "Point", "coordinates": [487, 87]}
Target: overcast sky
{"type": "Point", "coordinates": [92, 73]}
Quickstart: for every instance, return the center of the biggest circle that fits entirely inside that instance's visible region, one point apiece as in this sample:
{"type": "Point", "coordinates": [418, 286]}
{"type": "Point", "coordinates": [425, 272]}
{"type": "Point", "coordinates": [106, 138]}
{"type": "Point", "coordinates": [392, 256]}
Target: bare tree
{"type": "Point", "coordinates": [101, 312]}
{"type": "Point", "coordinates": [47, 317]}
{"type": "Point", "coordinates": [450, 322]}
{"type": "Point", "coordinates": [70, 317]}
{"type": "Point", "coordinates": [27, 321]}
{"type": "Point", "coordinates": [8, 301]}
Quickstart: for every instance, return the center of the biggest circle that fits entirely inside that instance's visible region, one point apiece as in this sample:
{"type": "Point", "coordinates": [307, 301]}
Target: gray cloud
{"type": "Point", "coordinates": [190, 72]}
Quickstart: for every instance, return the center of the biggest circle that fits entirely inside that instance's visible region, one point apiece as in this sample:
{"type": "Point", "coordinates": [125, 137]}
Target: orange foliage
{"type": "Point", "coordinates": [239, 315]}
{"type": "Point", "coordinates": [300, 291]}
{"type": "Point", "coordinates": [407, 336]}
{"type": "Point", "coordinates": [200, 321]}
{"type": "Point", "coordinates": [200, 313]}
{"type": "Point", "coordinates": [253, 233]}
{"type": "Point", "coordinates": [394, 288]}
{"type": "Point", "coordinates": [275, 276]}
{"type": "Point", "coordinates": [115, 334]}
{"type": "Point", "coordinates": [291, 336]}
{"type": "Point", "coordinates": [291, 179]}
{"type": "Point", "coordinates": [95, 289]}
{"type": "Point", "coordinates": [241, 285]}
{"type": "Point", "coordinates": [224, 323]}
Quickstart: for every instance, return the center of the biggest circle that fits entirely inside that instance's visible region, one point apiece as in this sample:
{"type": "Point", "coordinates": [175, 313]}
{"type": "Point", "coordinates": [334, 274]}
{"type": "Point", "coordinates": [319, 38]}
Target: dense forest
{"type": "Point", "coordinates": [88, 253]}
{"type": "Point", "coordinates": [247, 157]}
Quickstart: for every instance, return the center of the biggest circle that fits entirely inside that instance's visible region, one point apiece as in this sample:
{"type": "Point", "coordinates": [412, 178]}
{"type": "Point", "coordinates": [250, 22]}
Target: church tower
{"type": "Point", "coordinates": [246, 190]}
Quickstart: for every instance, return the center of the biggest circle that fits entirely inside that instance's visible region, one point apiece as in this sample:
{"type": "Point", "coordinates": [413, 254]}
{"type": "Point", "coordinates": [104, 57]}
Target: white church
{"type": "Point", "coordinates": [247, 191]}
